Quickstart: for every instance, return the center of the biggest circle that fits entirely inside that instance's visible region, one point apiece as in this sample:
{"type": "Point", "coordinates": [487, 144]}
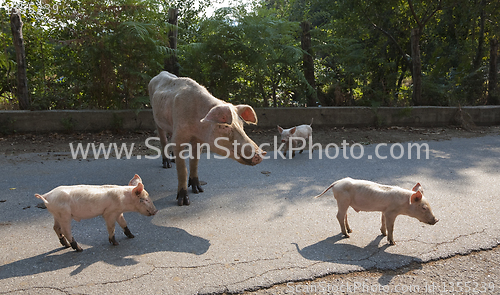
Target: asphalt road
{"type": "Point", "coordinates": [253, 227]}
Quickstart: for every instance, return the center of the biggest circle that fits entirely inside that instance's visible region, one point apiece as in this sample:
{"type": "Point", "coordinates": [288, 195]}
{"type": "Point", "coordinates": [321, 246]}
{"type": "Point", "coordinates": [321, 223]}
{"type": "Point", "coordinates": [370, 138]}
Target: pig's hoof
{"type": "Point", "coordinates": [128, 233]}
{"type": "Point", "coordinates": [64, 242]}
{"type": "Point", "coordinates": [166, 163]}
{"type": "Point", "coordinates": [75, 246]}
{"type": "Point", "coordinates": [182, 198]}
{"type": "Point", "coordinates": [195, 184]}
{"type": "Point", "coordinates": [113, 241]}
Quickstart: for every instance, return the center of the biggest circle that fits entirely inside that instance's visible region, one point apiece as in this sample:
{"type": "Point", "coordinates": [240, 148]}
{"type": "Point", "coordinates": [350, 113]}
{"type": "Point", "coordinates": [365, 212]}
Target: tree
{"type": "Point", "coordinates": [493, 97]}
{"type": "Point", "coordinates": [416, 34]}
{"type": "Point", "coordinates": [22, 81]}
{"type": "Point", "coordinates": [308, 63]}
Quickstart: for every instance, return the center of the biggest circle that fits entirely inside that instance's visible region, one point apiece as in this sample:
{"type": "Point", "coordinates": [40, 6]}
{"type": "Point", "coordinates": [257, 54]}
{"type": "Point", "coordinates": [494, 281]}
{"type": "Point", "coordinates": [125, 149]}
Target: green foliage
{"type": "Point", "coordinates": [102, 54]}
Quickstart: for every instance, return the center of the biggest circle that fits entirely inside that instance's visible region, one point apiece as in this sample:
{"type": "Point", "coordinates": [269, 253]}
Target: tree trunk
{"type": "Point", "coordinates": [171, 64]}
{"type": "Point", "coordinates": [308, 63]}
{"type": "Point", "coordinates": [16, 26]}
{"type": "Point", "coordinates": [480, 43]}
{"type": "Point", "coordinates": [493, 96]}
{"type": "Point", "coordinates": [416, 66]}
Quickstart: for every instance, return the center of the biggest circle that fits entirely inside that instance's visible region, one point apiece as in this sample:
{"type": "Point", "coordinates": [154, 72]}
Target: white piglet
{"type": "Point", "coordinates": [295, 135]}
{"type": "Point", "coordinates": [87, 201]}
{"type": "Point", "coordinates": [363, 195]}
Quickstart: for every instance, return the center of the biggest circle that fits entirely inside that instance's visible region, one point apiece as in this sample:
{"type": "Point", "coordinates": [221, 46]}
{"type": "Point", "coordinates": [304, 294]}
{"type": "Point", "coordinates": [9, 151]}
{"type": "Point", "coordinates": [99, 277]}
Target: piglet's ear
{"type": "Point", "coordinates": [138, 189]}
{"type": "Point", "coordinates": [247, 113]}
{"type": "Point", "coordinates": [417, 187]}
{"type": "Point", "coordinates": [416, 197]}
{"type": "Point", "coordinates": [280, 130]}
{"type": "Point", "coordinates": [134, 181]}
{"type": "Point", "coordinates": [219, 114]}
{"type": "Point", "coordinates": [292, 131]}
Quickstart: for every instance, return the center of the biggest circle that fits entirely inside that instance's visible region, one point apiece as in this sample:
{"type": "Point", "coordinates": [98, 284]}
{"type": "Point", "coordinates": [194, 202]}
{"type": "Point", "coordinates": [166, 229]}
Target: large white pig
{"type": "Point", "coordinates": [87, 201]}
{"type": "Point", "coordinates": [363, 195]}
{"type": "Point", "coordinates": [188, 113]}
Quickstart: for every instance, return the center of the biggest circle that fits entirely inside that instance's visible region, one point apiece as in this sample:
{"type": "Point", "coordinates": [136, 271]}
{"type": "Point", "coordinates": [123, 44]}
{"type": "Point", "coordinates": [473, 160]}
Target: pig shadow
{"type": "Point", "coordinates": [169, 239]}
{"type": "Point", "coordinates": [370, 257]}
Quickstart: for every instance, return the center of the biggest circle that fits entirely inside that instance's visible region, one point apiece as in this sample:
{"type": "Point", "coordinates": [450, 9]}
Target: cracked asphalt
{"type": "Point", "coordinates": [252, 228]}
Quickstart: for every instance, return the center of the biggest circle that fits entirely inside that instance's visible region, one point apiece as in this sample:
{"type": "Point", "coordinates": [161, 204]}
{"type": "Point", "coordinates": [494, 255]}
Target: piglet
{"type": "Point", "coordinates": [363, 195]}
{"type": "Point", "coordinates": [294, 135]}
{"type": "Point", "coordinates": [87, 201]}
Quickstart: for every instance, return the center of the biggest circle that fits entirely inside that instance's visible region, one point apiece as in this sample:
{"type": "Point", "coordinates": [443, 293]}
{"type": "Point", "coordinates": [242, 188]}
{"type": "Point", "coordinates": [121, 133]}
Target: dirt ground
{"type": "Point", "coordinates": [476, 273]}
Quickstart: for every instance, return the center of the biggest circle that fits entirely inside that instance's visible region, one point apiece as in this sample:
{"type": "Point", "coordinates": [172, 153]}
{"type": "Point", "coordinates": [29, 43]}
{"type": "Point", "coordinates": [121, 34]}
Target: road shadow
{"type": "Point", "coordinates": [369, 257]}
{"type": "Point", "coordinates": [167, 239]}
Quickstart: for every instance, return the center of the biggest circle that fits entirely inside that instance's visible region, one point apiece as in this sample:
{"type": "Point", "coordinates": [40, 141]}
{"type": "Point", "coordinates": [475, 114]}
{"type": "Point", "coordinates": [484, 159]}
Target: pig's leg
{"type": "Point", "coordinates": [163, 141]}
{"type": "Point", "coordinates": [58, 230]}
{"type": "Point", "coordinates": [341, 217]}
{"type": "Point", "coordinates": [389, 222]}
{"type": "Point", "coordinates": [349, 230]}
{"type": "Point", "coordinates": [383, 228]}
{"type": "Point", "coordinates": [66, 230]}
{"type": "Point", "coordinates": [110, 224]}
{"type": "Point", "coordinates": [194, 182]}
{"type": "Point", "coordinates": [182, 175]}
{"type": "Point", "coordinates": [121, 221]}
{"type": "Point", "coordinates": [310, 141]}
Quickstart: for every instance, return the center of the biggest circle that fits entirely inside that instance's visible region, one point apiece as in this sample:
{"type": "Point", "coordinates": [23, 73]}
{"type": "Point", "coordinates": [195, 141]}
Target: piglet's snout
{"type": "Point", "coordinates": [434, 221]}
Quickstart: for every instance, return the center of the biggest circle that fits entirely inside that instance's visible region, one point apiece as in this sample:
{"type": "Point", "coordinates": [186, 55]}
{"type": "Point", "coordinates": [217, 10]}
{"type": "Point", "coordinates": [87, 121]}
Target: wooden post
{"type": "Point", "coordinates": [308, 62]}
{"type": "Point", "coordinates": [16, 26]}
{"type": "Point", "coordinates": [171, 64]}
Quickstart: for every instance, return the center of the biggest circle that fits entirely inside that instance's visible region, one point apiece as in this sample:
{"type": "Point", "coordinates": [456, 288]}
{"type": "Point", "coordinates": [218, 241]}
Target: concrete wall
{"type": "Point", "coordinates": [88, 120]}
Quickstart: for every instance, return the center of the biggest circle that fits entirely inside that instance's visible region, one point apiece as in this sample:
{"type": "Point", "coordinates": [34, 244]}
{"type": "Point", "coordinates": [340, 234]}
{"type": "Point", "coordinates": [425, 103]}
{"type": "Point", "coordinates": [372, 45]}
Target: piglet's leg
{"type": "Point", "coordinates": [349, 230]}
{"type": "Point", "coordinates": [383, 228]}
{"type": "Point", "coordinates": [58, 230]}
{"type": "Point", "coordinates": [75, 246]}
{"type": "Point", "coordinates": [121, 221]}
{"type": "Point", "coordinates": [110, 224]}
{"type": "Point", "coordinates": [341, 217]}
{"type": "Point", "coordinates": [65, 224]}
{"type": "Point", "coordinates": [389, 221]}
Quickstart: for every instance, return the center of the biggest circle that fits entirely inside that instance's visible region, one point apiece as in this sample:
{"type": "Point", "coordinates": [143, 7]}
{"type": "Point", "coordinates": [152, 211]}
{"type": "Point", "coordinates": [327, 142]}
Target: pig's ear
{"type": "Point", "coordinates": [138, 189]}
{"type": "Point", "coordinates": [247, 113]}
{"type": "Point", "coordinates": [416, 197]}
{"type": "Point", "coordinates": [292, 131]}
{"type": "Point", "coordinates": [418, 187]}
{"type": "Point", "coordinates": [280, 130]}
{"type": "Point", "coordinates": [134, 181]}
{"type": "Point", "coordinates": [219, 114]}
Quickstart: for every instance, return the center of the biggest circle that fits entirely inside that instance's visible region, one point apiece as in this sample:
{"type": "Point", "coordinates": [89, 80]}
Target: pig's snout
{"type": "Point", "coordinates": [434, 221]}
{"type": "Point", "coordinates": [152, 213]}
{"type": "Point", "coordinates": [258, 157]}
